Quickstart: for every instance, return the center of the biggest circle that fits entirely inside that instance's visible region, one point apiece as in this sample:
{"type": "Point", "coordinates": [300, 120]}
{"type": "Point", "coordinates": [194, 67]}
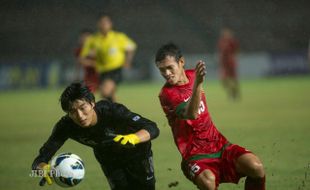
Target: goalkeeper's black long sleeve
{"type": "Point", "coordinates": [113, 119]}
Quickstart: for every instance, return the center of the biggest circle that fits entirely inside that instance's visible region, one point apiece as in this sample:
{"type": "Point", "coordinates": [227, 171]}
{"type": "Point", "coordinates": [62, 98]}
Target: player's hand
{"type": "Point", "coordinates": [131, 139]}
{"type": "Point", "coordinates": [200, 71]}
{"type": "Point", "coordinates": [46, 175]}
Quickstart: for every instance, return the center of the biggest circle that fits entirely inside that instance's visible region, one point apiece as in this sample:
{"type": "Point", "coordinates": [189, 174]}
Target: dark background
{"type": "Point", "coordinates": [36, 29]}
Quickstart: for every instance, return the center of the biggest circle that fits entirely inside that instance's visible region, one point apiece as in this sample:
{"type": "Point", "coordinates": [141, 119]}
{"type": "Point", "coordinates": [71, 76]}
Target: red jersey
{"type": "Point", "coordinates": [90, 74]}
{"type": "Point", "coordinates": [192, 137]}
{"type": "Point", "coordinates": [228, 48]}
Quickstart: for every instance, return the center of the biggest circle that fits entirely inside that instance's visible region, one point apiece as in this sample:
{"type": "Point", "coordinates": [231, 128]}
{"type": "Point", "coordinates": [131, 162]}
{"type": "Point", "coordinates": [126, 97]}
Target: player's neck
{"type": "Point", "coordinates": [183, 79]}
{"type": "Point", "coordinates": [104, 33]}
{"type": "Point", "coordinates": [94, 119]}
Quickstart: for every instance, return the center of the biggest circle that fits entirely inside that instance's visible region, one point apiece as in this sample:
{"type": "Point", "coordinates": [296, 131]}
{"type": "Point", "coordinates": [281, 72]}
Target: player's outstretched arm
{"type": "Point", "coordinates": [145, 129]}
{"type": "Point", "coordinates": [128, 58]}
{"type": "Point", "coordinates": [49, 148]}
{"type": "Point", "coordinates": [143, 135]}
{"type": "Point", "coordinates": [191, 108]}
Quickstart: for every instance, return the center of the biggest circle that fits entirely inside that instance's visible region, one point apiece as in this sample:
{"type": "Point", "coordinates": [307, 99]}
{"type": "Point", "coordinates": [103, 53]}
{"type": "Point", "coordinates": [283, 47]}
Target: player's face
{"type": "Point", "coordinates": [227, 33]}
{"type": "Point", "coordinates": [105, 24]}
{"type": "Point", "coordinates": [83, 113]}
{"type": "Point", "coordinates": [172, 70]}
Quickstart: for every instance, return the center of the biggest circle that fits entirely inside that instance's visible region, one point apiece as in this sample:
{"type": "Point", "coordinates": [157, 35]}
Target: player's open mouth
{"type": "Point", "coordinates": [83, 122]}
{"type": "Point", "coordinates": [169, 79]}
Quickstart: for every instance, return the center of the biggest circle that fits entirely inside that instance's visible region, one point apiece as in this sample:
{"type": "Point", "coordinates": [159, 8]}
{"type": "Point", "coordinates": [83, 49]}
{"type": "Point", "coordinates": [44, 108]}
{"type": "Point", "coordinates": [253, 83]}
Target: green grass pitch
{"type": "Point", "coordinates": [272, 120]}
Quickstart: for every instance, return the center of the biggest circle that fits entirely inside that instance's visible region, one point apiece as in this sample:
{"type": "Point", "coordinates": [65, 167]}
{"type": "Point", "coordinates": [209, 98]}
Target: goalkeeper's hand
{"type": "Point", "coordinates": [46, 175]}
{"type": "Point", "coordinates": [131, 139]}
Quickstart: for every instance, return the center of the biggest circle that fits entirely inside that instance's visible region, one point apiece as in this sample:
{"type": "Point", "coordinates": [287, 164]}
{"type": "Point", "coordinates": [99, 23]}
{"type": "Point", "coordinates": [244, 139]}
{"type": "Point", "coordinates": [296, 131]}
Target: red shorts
{"type": "Point", "coordinates": [223, 168]}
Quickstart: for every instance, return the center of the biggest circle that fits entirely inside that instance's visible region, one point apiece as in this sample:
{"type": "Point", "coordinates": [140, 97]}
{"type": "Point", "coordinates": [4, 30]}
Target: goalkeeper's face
{"type": "Point", "coordinates": [83, 113]}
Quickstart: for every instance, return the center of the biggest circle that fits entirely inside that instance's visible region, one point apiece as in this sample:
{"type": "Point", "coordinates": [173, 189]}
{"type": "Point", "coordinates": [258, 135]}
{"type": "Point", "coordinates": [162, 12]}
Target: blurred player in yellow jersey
{"type": "Point", "coordinates": [108, 51]}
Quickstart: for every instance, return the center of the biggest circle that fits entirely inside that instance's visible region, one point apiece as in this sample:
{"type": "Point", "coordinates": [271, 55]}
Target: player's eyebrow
{"type": "Point", "coordinates": [165, 66]}
{"type": "Point", "coordinates": [75, 108]}
{"type": "Point", "coordinates": [82, 104]}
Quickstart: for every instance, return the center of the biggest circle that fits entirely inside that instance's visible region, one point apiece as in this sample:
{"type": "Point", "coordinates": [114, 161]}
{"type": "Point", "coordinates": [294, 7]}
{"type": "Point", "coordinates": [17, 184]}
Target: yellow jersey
{"type": "Point", "coordinates": [109, 50]}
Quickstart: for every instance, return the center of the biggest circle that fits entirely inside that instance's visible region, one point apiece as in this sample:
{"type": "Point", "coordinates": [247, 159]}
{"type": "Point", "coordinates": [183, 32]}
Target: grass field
{"type": "Point", "coordinates": [272, 120]}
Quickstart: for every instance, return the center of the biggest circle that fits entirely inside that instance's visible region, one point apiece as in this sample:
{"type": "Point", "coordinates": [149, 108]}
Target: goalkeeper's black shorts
{"type": "Point", "coordinates": [135, 174]}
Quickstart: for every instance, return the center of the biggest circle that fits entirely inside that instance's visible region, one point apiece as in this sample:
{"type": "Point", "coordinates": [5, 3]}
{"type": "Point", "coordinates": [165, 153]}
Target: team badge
{"type": "Point", "coordinates": [136, 118]}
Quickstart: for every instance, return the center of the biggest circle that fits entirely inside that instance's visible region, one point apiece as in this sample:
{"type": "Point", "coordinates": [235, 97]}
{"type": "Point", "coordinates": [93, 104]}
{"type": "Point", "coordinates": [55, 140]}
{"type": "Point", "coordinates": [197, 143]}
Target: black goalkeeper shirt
{"type": "Point", "coordinates": [113, 118]}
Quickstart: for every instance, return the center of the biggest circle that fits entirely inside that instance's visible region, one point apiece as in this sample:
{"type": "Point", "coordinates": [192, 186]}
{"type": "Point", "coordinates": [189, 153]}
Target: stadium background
{"type": "Point", "coordinates": [36, 61]}
{"type": "Point", "coordinates": [43, 34]}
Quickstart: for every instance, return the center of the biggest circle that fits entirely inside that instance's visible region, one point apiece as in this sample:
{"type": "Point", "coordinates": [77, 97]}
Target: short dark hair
{"type": "Point", "coordinates": [75, 91]}
{"type": "Point", "coordinates": [169, 49]}
{"type": "Point", "coordinates": [104, 14]}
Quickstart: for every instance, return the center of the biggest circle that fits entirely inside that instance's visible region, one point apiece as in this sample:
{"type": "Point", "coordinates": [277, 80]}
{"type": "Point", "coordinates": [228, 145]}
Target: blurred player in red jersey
{"type": "Point", "coordinates": [90, 73]}
{"type": "Point", "coordinates": [228, 47]}
{"type": "Point", "coordinates": [208, 157]}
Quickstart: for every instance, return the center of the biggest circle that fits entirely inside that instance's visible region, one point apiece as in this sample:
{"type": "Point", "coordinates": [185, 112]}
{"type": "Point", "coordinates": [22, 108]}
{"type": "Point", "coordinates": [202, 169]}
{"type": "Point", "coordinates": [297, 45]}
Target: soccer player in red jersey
{"type": "Point", "coordinates": [90, 77]}
{"type": "Point", "coordinates": [228, 47]}
{"type": "Point", "coordinates": [208, 158]}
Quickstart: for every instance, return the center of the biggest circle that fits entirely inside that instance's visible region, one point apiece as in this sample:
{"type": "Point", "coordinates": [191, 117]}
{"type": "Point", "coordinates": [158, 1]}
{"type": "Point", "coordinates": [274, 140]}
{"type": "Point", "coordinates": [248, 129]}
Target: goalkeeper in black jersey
{"type": "Point", "coordinates": [121, 139]}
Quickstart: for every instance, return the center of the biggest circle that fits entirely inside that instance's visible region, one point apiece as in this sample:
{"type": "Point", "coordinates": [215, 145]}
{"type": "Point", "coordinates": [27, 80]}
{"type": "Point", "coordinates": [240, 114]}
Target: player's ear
{"type": "Point", "coordinates": [92, 104]}
{"type": "Point", "coordinates": [182, 61]}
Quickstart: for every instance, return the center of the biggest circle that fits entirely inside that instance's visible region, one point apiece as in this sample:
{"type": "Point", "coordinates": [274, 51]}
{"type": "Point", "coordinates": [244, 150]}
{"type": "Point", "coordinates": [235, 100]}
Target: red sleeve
{"type": "Point", "coordinates": [165, 103]}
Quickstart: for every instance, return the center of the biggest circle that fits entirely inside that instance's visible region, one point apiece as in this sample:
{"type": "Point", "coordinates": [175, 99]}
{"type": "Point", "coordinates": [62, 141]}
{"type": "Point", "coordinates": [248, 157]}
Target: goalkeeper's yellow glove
{"type": "Point", "coordinates": [47, 169]}
{"type": "Point", "coordinates": [131, 139]}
